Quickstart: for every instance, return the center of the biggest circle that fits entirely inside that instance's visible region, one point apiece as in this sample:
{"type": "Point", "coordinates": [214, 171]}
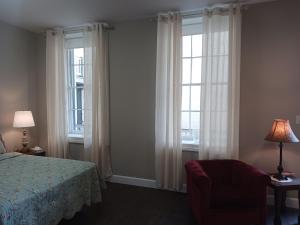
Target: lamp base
{"type": "Point", "coordinates": [286, 180]}
{"type": "Point", "coordinates": [279, 176]}
{"type": "Point", "coordinates": [25, 142]}
{"type": "Point", "coordinates": [24, 150]}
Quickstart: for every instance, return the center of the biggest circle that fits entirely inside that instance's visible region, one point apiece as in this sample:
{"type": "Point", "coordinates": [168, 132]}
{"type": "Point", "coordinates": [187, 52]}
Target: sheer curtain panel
{"type": "Point", "coordinates": [220, 78]}
{"type": "Point", "coordinates": [96, 99]}
{"type": "Point", "coordinates": [56, 85]}
{"type": "Point", "coordinates": [168, 150]}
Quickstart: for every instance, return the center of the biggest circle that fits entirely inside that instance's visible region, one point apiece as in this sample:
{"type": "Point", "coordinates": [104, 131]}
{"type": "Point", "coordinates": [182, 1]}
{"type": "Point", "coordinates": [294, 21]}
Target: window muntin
{"type": "Point", "coordinates": [191, 87]}
{"type": "Point", "coordinates": [192, 83]}
{"type": "Point", "coordinates": [75, 75]}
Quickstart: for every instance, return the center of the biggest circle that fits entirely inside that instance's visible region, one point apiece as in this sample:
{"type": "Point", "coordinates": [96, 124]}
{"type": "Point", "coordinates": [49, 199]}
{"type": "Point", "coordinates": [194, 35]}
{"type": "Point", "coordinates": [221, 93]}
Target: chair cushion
{"type": "Point", "coordinates": [230, 196]}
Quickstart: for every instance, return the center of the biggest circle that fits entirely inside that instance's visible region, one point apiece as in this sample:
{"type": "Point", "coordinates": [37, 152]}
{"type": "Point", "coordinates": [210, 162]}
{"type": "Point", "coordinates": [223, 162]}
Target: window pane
{"type": "Point", "coordinates": [186, 71]}
{"type": "Point", "coordinates": [195, 126]}
{"type": "Point", "coordinates": [79, 98]}
{"type": "Point", "coordinates": [191, 88]}
{"type": "Point", "coordinates": [187, 136]}
{"type": "Point", "coordinates": [197, 45]}
{"type": "Point", "coordinates": [78, 56]}
{"type": "Point", "coordinates": [76, 98]}
{"type": "Point", "coordinates": [195, 135]}
{"type": "Point", "coordinates": [195, 120]}
{"type": "Point", "coordinates": [219, 97]}
{"type": "Point", "coordinates": [78, 73]}
{"type": "Point", "coordinates": [196, 70]}
{"type": "Point", "coordinates": [82, 99]}
{"type": "Point", "coordinates": [77, 119]}
{"type": "Point", "coordinates": [185, 98]}
{"type": "Point", "coordinates": [185, 120]}
{"type": "Point", "coordinates": [75, 60]}
{"type": "Point", "coordinates": [186, 46]}
{"type": "Point", "coordinates": [195, 98]}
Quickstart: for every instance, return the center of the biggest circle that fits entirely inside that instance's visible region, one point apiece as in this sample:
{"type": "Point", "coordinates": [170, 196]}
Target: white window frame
{"type": "Point", "coordinates": [191, 26]}
{"type": "Point", "coordinates": [72, 41]}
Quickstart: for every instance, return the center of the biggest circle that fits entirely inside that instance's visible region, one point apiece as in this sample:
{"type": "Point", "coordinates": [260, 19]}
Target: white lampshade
{"type": "Point", "coordinates": [23, 119]}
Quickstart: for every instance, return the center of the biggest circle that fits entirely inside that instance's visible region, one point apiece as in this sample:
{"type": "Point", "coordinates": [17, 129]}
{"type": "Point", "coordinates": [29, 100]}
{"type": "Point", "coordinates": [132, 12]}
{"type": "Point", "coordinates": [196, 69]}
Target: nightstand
{"type": "Point", "coordinates": [280, 190]}
{"type": "Point", "coordinates": [39, 153]}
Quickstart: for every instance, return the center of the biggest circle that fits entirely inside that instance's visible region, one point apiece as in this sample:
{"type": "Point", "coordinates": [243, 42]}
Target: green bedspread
{"type": "Point", "coordinates": [42, 190]}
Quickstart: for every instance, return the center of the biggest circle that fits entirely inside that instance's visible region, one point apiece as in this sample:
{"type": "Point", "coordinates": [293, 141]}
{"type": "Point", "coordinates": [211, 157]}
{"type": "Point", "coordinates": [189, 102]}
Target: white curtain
{"type": "Point", "coordinates": [219, 119]}
{"type": "Point", "coordinates": [56, 85]}
{"type": "Point", "coordinates": [96, 99]}
{"type": "Point", "coordinates": [168, 148]}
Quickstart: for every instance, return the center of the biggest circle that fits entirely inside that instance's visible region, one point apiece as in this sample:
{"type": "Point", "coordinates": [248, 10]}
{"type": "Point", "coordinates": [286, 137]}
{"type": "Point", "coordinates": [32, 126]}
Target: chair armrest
{"type": "Point", "coordinates": [198, 185]}
{"type": "Point", "coordinates": [247, 175]}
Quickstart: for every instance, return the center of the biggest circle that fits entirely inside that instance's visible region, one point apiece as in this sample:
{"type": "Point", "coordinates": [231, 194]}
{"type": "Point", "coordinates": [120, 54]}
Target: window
{"type": "Point", "coordinates": [191, 80]}
{"type": "Point", "coordinates": [75, 75]}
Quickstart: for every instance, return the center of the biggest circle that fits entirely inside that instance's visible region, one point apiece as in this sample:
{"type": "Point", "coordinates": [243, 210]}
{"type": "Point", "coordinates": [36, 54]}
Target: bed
{"type": "Point", "coordinates": [42, 190]}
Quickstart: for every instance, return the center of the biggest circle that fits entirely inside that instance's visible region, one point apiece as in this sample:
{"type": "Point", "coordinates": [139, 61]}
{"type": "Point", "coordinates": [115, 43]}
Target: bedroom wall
{"type": "Point", "coordinates": [41, 88]}
{"type": "Point", "coordinates": [132, 96]}
{"type": "Point", "coordinates": [270, 79]}
{"type": "Point", "coordinates": [132, 99]}
{"type": "Point", "coordinates": [132, 92]}
{"type": "Point", "coordinates": [18, 89]}
{"type": "Point", "coordinates": [269, 89]}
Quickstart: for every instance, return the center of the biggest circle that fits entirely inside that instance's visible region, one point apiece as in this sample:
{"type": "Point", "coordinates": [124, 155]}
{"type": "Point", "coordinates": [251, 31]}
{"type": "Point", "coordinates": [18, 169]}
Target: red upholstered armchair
{"type": "Point", "coordinates": [226, 192]}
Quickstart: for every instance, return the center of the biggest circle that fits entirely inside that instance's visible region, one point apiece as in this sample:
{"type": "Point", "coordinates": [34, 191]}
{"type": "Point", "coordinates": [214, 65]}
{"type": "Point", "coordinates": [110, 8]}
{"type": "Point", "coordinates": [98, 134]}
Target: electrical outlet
{"type": "Point", "coordinates": [298, 119]}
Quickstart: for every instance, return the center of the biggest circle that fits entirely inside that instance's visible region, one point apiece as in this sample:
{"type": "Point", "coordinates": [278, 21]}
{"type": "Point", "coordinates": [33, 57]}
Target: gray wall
{"type": "Point", "coordinates": [41, 88]}
{"type": "Point", "coordinates": [132, 99]}
{"type": "Point", "coordinates": [132, 91]}
{"type": "Point", "coordinates": [18, 81]}
{"type": "Point", "coordinates": [270, 78]}
{"type": "Point", "coordinates": [270, 81]}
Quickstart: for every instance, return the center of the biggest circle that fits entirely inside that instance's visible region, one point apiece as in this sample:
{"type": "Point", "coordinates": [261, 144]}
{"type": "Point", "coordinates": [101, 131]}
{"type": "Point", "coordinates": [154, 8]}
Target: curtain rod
{"type": "Point", "coordinates": [72, 29]}
{"type": "Point", "coordinates": [80, 28]}
{"type": "Point", "coordinates": [194, 13]}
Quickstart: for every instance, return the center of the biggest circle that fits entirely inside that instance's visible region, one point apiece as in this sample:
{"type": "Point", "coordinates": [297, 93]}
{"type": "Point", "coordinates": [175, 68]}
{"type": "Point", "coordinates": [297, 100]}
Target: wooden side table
{"type": "Point", "coordinates": [280, 189]}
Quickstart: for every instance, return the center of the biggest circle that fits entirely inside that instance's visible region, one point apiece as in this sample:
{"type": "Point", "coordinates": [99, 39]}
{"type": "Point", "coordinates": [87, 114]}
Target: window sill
{"type": "Point", "coordinates": [190, 148]}
{"type": "Point", "coordinates": [75, 138]}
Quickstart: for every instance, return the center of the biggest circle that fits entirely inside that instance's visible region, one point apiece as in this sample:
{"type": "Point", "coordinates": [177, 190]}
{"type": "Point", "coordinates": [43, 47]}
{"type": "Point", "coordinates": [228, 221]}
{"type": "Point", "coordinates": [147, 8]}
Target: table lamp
{"type": "Point", "coordinates": [24, 119]}
{"type": "Point", "coordinates": [281, 132]}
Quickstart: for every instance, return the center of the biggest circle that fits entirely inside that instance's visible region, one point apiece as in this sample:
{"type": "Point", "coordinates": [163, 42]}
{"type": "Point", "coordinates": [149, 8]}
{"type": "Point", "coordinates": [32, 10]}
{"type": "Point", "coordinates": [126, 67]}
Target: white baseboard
{"type": "Point", "coordinates": [149, 183]}
{"type": "Point", "coordinates": [290, 202]}
{"type": "Point", "coordinates": [135, 181]}
{"type": "Point", "coordinates": [141, 182]}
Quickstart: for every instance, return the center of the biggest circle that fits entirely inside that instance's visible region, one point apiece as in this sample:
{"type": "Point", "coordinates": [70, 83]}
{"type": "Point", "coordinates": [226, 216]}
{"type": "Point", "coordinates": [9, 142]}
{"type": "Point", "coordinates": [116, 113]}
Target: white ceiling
{"type": "Point", "coordinates": [37, 15]}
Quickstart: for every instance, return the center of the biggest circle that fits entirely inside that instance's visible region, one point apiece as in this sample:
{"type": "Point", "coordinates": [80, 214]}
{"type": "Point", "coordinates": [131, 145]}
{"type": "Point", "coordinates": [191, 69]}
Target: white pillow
{"type": "Point", "coordinates": [2, 147]}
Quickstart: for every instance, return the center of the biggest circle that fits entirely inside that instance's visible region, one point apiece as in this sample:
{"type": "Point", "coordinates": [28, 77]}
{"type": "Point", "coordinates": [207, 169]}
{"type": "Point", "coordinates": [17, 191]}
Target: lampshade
{"type": "Point", "coordinates": [23, 119]}
{"type": "Point", "coordinates": [281, 131]}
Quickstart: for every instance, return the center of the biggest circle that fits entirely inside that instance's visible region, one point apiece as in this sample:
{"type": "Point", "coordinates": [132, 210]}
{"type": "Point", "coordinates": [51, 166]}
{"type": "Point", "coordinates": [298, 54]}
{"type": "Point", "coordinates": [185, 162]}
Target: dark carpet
{"type": "Point", "coordinates": [130, 205]}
